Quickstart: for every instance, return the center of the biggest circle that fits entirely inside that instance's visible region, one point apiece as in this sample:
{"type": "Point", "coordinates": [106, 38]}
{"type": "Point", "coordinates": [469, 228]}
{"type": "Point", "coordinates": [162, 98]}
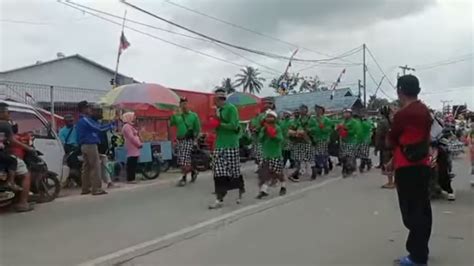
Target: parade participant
{"type": "Point", "coordinates": [410, 137]}
{"type": "Point", "coordinates": [381, 147]}
{"type": "Point", "coordinates": [188, 129]}
{"type": "Point", "coordinates": [471, 150]}
{"type": "Point", "coordinates": [88, 138]}
{"type": "Point", "coordinates": [67, 134]}
{"type": "Point", "coordinates": [271, 136]}
{"type": "Point", "coordinates": [321, 135]}
{"type": "Point", "coordinates": [300, 131]}
{"type": "Point", "coordinates": [255, 126]}
{"type": "Point", "coordinates": [226, 158]}
{"type": "Point", "coordinates": [348, 131]}
{"type": "Point", "coordinates": [365, 139]}
{"type": "Point", "coordinates": [285, 123]}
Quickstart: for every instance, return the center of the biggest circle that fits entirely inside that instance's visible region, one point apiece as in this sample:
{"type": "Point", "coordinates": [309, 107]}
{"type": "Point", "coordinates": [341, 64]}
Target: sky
{"type": "Point", "coordinates": [433, 36]}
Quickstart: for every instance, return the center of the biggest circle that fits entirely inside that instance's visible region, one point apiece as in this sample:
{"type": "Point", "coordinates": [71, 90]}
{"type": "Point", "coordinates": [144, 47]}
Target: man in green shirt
{"type": "Point", "coordinates": [348, 132]}
{"type": "Point", "coordinates": [188, 128]}
{"type": "Point", "coordinates": [285, 123]}
{"type": "Point", "coordinates": [256, 125]}
{"type": "Point", "coordinates": [271, 170]}
{"type": "Point", "coordinates": [365, 138]}
{"type": "Point", "coordinates": [321, 134]}
{"type": "Point", "coordinates": [303, 151]}
{"type": "Point", "coordinates": [226, 158]}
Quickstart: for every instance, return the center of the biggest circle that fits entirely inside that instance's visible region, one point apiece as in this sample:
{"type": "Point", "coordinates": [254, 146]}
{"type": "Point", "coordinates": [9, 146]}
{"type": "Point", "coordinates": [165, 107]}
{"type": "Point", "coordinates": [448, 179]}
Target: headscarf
{"type": "Point", "coordinates": [128, 117]}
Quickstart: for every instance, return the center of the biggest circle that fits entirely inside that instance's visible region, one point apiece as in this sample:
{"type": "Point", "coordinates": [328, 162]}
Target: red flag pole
{"type": "Point", "coordinates": [119, 52]}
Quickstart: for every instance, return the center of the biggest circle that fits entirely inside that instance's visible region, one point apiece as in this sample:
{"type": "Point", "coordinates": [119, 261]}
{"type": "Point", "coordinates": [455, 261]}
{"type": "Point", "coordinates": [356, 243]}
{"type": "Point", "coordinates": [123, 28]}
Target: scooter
{"type": "Point", "coordinates": [441, 169]}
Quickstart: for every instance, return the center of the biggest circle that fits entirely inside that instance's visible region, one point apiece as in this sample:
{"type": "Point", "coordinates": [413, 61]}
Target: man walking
{"type": "Point", "coordinates": [348, 131]}
{"type": "Point", "coordinates": [88, 138]}
{"type": "Point", "coordinates": [256, 125]}
{"type": "Point", "coordinates": [410, 137]}
{"type": "Point", "coordinates": [188, 129]}
{"type": "Point", "coordinates": [285, 123]}
{"type": "Point", "coordinates": [321, 135]}
{"type": "Point", "coordinates": [226, 157]}
{"type": "Point", "coordinates": [365, 139]}
{"type": "Point", "coordinates": [300, 130]}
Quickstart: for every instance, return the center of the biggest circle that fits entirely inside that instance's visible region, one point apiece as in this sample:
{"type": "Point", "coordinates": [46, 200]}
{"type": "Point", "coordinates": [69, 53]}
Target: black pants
{"type": "Point", "coordinates": [413, 197]}
{"type": "Point", "coordinates": [132, 163]}
{"type": "Point", "coordinates": [287, 158]}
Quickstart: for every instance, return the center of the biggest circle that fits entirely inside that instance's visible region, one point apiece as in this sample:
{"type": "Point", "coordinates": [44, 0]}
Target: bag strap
{"type": "Point", "coordinates": [68, 136]}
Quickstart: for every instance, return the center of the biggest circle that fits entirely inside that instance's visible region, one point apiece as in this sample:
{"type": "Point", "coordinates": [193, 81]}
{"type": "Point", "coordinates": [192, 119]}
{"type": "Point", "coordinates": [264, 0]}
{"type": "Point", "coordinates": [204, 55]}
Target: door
{"type": "Point", "coordinates": [45, 141]}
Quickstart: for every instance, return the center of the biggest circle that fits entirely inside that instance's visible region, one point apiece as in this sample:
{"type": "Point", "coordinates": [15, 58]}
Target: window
{"type": "Point", "coordinates": [29, 122]}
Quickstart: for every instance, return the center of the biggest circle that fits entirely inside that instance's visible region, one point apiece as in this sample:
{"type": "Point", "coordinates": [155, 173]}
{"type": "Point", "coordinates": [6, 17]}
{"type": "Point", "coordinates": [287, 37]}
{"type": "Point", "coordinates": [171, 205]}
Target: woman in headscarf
{"type": "Point", "coordinates": [133, 144]}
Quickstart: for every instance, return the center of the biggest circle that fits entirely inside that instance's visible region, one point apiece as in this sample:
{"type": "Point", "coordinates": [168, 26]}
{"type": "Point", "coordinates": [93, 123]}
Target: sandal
{"type": "Point", "coordinates": [23, 207]}
{"type": "Point", "coordinates": [388, 186]}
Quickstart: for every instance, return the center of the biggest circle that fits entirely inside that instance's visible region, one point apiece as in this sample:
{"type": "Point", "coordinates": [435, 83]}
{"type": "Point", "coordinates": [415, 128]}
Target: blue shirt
{"type": "Point", "coordinates": [67, 136]}
{"type": "Point", "coordinates": [88, 130]}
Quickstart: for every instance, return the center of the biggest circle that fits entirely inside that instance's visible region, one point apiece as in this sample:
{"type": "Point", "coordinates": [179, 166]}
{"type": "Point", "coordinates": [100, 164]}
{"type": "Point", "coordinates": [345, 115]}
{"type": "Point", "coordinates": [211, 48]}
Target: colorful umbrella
{"type": "Point", "coordinates": [141, 96]}
{"type": "Point", "coordinates": [240, 99]}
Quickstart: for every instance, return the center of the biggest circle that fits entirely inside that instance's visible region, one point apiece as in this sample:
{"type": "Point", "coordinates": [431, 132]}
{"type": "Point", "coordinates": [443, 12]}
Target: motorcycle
{"type": "Point", "coordinates": [45, 185]}
{"type": "Point", "coordinates": [441, 169]}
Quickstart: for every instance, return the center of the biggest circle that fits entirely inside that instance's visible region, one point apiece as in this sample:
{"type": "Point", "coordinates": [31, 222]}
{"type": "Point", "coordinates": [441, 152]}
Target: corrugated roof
{"type": "Point", "coordinates": [343, 98]}
{"type": "Point", "coordinates": [77, 56]}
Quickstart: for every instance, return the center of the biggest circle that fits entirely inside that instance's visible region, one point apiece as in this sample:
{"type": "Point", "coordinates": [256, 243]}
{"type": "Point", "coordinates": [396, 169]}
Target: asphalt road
{"type": "Point", "coordinates": [71, 231]}
{"type": "Point", "coordinates": [348, 222]}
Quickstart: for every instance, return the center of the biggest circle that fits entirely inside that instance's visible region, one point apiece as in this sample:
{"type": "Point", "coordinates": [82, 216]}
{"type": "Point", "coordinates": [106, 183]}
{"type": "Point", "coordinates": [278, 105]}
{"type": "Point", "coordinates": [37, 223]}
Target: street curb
{"type": "Point", "coordinates": [127, 254]}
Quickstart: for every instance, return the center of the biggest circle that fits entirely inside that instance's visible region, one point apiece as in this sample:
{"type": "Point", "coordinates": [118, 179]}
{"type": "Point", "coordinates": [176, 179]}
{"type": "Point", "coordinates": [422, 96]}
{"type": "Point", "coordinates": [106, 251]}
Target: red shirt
{"type": "Point", "coordinates": [18, 151]}
{"type": "Point", "coordinates": [411, 124]}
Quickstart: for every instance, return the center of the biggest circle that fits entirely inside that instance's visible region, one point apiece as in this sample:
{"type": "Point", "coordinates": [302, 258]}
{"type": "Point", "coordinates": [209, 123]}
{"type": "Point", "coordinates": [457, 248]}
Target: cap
{"type": "Point", "coordinates": [347, 110]}
{"type": "Point", "coordinates": [272, 113]}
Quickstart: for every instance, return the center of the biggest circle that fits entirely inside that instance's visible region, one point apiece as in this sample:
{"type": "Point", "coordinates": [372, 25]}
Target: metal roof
{"type": "Point", "coordinates": [343, 98]}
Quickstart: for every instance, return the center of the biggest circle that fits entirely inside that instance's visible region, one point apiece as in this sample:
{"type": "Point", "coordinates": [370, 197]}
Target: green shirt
{"type": "Point", "coordinates": [185, 122]}
{"type": "Point", "coordinates": [322, 128]}
{"type": "Point", "coordinates": [302, 123]}
{"type": "Point", "coordinates": [228, 130]}
{"type": "Point", "coordinates": [285, 126]}
{"type": "Point", "coordinates": [366, 131]}
{"type": "Point", "coordinates": [353, 128]}
{"type": "Point", "coordinates": [271, 147]}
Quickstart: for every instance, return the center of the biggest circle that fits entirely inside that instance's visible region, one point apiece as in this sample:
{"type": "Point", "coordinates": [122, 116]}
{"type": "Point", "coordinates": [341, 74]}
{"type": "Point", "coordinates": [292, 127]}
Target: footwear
{"type": "Point", "coordinates": [295, 179]}
{"type": "Point", "coordinates": [112, 185]}
{"type": "Point", "coordinates": [182, 182]}
{"type": "Point", "coordinates": [23, 207]}
{"type": "Point", "coordinates": [451, 197]}
{"type": "Point", "coordinates": [326, 171]}
{"type": "Point", "coordinates": [194, 176]}
{"type": "Point", "coordinates": [406, 261]}
{"type": "Point", "coordinates": [262, 195]}
{"type": "Point", "coordinates": [283, 191]}
{"type": "Point", "coordinates": [314, 173]}
{"type": "Point", "coordinates": [14, 187]}
{"type": "Point", "coordinates": [100, 192]}
{"type": "Point", "coordinates": [216, 205]}
{"type": "Point", "coordinates": [85, 192]}
{"type": "Point", "coordinates": [388, 186]}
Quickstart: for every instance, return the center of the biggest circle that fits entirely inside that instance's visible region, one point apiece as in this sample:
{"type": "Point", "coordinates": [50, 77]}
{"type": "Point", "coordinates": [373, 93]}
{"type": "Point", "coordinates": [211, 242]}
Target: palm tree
{"type": "Point", "coordinates": [250, 80]}
{"type": "Point", "coordinates": [227, 85]}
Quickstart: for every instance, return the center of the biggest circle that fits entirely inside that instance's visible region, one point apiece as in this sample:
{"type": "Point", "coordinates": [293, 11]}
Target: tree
{"type": "Point", "coordinates": [250, 80]}
{"type": "Point", "coordinates": [376, 103]}
{"type": "Point", "coordinates": [227, 85]}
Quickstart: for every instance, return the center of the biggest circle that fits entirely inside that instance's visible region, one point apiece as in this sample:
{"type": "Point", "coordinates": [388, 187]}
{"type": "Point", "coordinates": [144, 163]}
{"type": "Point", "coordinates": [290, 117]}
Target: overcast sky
{"type": "Point", "coordinates": [419, 33]}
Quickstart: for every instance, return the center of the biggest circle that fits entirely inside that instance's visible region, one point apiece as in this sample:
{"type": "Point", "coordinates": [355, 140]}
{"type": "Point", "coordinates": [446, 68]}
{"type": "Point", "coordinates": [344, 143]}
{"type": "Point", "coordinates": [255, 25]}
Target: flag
{"type": "Point", "coordinates": [124, 44]}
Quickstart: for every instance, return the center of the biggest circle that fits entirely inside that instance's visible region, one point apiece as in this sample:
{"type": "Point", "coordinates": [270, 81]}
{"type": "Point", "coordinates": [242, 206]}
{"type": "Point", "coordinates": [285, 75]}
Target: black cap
{"type": "Point", "coordinates": [408, 85]}
{"type": "Point", "coordinates": [82, 105]}
{"type": "Point", "coordinates": [183, 100]}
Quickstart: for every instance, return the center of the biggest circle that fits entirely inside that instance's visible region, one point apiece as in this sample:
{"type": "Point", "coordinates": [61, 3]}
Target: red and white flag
{"type": "Point", "coordinates": [124, 44]}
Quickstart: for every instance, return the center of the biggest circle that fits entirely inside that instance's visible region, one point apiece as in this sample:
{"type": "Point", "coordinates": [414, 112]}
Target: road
{"type": "Point", "coordinates": [349, 222]}
{"type": "Point", "coordinates": [71, 231]}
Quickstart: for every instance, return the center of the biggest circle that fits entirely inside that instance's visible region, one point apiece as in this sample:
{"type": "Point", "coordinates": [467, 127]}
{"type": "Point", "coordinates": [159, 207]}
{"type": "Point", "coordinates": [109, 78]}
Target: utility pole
{"type": "Point", "coordinates": [364, 75]}
{"type": "Point", "coordinates": [406, 68]}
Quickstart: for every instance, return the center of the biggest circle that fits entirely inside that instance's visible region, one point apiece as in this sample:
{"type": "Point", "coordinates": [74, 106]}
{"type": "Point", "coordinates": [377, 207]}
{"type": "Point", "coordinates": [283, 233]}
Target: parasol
{"type": "Point", "coordinates": [141, 96]}
{"type": "Point", "coordinates": [240, 99]}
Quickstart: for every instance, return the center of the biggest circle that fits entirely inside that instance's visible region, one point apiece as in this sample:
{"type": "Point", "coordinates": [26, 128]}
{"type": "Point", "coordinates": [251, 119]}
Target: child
{"type": "Point", "coordinates": [271, 137]}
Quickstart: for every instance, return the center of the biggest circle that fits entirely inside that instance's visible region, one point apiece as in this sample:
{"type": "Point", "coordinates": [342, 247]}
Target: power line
{"type": "Point", "coordinates": [380, 68]}
{"type": "Point", "coordinates": [450, 62]}
{"type": "Point", "coordinates": [447, 91]}
{"type": "Point", "coordinates": [377, 84]}
{"type": "Point", "coordinates": [246, 29]}
{"type": "Point", "coordinates": [274, 71]}
{"type": "Point", "coordinates": [271, 55]}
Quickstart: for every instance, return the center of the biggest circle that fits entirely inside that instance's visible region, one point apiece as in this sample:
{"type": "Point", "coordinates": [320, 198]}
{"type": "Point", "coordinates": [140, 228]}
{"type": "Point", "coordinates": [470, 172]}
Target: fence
{"type": "Point", "coordinates": [59, 100]}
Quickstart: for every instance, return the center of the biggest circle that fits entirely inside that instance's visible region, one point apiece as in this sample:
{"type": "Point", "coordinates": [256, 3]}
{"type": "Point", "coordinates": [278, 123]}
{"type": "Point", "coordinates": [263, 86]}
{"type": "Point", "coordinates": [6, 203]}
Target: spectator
{"type": "Point", "coordinates": [103, 148]}
{"type": "Point", "coordinates": [88, 138]}
{"type": "Point", "coordinates": [133, 144]}
{"type": "Point", "coordinates": [68, 135]}
{"type": "Point", "coordinates": [381, 147]}
{"type": "Point", "coordinates": [410, 137]}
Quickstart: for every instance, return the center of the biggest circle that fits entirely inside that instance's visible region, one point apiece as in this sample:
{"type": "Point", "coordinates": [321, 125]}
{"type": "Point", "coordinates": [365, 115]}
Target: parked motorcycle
{"type": "Point", "coordinates": [441, 169]}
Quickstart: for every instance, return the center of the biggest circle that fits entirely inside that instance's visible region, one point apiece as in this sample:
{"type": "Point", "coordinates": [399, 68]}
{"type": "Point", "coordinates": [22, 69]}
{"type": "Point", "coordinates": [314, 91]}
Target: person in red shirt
{"type": "Point", "coordinates": [410, 137]}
